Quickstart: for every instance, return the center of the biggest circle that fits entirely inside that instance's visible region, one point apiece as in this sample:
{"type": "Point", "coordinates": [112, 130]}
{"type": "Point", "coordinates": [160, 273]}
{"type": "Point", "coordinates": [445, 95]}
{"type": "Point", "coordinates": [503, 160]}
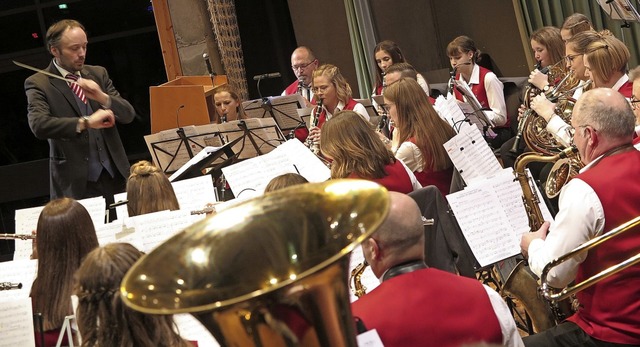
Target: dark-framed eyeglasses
{"type": "Point", "coordinates": [569, 58]}
{"type": "Point", "coordinates": [302, 66]}
{"type": "Point", "coordinates": [634, 102]}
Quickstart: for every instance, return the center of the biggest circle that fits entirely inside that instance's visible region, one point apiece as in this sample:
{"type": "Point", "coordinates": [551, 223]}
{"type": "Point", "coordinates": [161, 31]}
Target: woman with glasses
{"type": "Point", "coordinates": [634, 77]}
{"type": "Point", "coordinates": [419, 134]}
{"type": "Point", "coordinates": [595, 56]}
{"type": "Point", "coordinates": [387, 53]}
{"type": "Point", "coordinates": [333, 94]}
{"type": "Point", "coordinates": [357, 151]}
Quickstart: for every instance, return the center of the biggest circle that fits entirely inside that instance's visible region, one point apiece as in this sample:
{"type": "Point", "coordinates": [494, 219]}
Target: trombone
{"type": "Point", "coordinates": [552, 296]}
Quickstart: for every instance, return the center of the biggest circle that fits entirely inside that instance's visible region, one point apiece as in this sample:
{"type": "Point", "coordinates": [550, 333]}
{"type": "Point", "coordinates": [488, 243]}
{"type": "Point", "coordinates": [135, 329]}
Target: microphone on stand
{"type": "Point", "coordinates": [212, 75]}
{"type": "Point", "coordinates": [266, 75]}
{"type": "Point", "coordinates": [177, 114]}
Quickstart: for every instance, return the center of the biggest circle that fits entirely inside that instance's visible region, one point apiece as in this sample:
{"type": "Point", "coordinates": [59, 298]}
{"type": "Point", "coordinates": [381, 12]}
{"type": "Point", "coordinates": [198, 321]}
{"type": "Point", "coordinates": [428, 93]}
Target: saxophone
{"type": "Point", "coordinates": [314, 146]}
{"type": "Point", "coordinates": [521, 283]}
{"type": "Point", "coordinates": [358, 288]}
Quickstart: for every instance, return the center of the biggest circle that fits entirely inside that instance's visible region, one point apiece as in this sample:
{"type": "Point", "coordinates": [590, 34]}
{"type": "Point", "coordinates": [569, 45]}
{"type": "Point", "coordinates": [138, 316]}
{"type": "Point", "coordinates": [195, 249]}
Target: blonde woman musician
{"type": "Point", "coordinates": [149, 190]}
{"type": "Point", "coordinates": [333, 93]}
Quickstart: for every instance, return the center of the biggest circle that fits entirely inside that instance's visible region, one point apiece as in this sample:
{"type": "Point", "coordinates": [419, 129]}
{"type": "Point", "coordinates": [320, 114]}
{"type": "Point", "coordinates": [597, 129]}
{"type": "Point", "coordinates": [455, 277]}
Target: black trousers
{"type": "Point", "coordinates": [106, 186]}
{"type": "Point", "coordinates": [567, 334]}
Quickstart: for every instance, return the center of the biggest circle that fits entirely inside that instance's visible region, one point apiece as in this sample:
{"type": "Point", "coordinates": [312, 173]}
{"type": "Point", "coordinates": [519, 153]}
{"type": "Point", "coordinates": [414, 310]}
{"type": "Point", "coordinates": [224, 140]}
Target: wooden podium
{"type": "Point", "coordinates": [187, 100]}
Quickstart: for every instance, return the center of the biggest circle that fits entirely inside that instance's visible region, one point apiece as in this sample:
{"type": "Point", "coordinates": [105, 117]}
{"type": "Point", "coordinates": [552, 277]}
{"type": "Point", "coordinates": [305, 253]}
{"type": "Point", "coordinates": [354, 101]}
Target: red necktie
{"type": "Point", "coordinates": [76, 88]}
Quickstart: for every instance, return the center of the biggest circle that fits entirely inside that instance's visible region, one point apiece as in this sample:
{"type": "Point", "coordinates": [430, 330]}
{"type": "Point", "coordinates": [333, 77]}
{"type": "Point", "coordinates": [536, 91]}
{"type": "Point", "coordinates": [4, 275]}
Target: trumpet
{"type": "Point", "coordinates": [17, 237]}
{"type": "Point", "coordinates": [555, 296]}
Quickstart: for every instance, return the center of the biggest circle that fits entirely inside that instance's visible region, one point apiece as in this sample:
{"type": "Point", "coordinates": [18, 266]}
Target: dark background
{"type": "Point", "coordinates": [123, 38]}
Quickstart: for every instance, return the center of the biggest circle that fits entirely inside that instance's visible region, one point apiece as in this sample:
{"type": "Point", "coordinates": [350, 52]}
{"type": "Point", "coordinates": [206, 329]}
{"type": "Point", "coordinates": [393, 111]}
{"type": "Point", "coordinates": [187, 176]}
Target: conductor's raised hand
{"type": "Point", "coordinates": [93, 91]}
{"type": "Point", "coordinates": [101, 119]}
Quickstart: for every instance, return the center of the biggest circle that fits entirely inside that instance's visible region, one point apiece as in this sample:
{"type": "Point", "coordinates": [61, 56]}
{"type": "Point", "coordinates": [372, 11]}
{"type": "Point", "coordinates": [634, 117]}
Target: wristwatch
{"type": "Point", "coordinates": [85, 121]}
{"type": "Point", "coordinates": [546, 88]}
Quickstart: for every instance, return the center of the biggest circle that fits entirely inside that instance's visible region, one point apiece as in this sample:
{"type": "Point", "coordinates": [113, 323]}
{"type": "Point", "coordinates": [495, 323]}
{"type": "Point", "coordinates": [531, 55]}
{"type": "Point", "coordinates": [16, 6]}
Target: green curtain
{"type": "Point", "coordinates": [539, 13]}
{"type": "Point", "coordinates": [362, 42]}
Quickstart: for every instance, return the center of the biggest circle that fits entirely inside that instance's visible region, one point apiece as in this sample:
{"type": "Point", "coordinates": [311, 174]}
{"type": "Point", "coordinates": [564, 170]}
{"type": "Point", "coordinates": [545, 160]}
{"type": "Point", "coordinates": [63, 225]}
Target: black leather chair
{"type": "Point", "coordinates": [445, 246]}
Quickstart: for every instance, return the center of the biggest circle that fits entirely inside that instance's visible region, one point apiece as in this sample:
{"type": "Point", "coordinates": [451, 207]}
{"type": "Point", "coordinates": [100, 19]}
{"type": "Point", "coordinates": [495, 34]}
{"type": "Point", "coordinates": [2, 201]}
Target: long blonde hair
{"type": "Point", "coordinates": [417, 119]}
{"type": "Point", "coordinates": [343, 90]}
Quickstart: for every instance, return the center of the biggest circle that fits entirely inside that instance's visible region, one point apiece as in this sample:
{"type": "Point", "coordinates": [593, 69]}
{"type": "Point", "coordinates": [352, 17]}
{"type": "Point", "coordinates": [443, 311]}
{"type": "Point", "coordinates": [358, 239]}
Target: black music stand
{"type": "Point", "coordinates": [178, 150]}
{"type": "Point", "coordinates": [283, 110]}
{"type": "Point", "coordinates": [204, 159]}
{"type": "Point", "coordinates": [620, 10]}
{"type": "Point", "coordinates": [478, 114]}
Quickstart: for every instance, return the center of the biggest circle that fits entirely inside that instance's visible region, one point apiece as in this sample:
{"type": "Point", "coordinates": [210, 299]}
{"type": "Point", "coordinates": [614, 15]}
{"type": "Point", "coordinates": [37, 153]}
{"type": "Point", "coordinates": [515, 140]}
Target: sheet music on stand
{"type": "Point", "coordinates": [471, 155]}
{"type": "Point", "coordinates": [291, 157]}
{"type": "Point", "coordinates": [16, 323]}
{"type": "Point", "coordinates": [168, 151]}
{"type": "Point", "coordinates": [492, 217]}
{"type": "Point", "coordinates": [620, 9]}
{"type": "Point", "coordinates": [283, 109]}
{"type": "Point", "coordinates": [262, 135]}
{"type": "Point", "coordinates": [451, 111]}
{"type": "Point", "coordinates": [475, 114]}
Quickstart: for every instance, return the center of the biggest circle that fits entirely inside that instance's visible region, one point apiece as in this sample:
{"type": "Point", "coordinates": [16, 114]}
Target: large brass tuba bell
{"type": "Point", "coordinates": [271, 271]}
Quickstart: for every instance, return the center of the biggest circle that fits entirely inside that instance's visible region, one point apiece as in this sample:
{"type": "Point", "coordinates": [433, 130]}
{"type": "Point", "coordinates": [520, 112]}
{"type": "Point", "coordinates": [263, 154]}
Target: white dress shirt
{"type": "Point", "coordinates": [495, 95]}
{"type": "Point", "coordinates": [580, 218]}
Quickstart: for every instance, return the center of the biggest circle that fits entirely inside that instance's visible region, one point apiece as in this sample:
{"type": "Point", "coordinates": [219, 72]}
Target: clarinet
{"type": "Point", "coordinates": [300, 86]}
{"type": "Point", "coordinates": [316, 118]}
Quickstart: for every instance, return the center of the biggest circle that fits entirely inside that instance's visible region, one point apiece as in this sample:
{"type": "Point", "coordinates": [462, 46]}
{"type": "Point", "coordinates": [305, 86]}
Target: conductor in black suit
{"type": "Point", "coordinates": [86, 155]}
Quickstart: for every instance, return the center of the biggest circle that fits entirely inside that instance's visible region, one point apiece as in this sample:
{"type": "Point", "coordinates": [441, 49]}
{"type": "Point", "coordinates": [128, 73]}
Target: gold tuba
{"type": "Point", "coordinates": [271, 271]}
{"type": "Point", "coordinates": [521, 283]}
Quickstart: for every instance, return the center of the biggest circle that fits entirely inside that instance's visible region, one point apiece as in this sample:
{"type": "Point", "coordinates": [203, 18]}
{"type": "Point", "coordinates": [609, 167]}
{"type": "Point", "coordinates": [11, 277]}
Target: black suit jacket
{"type": "Point", "coordinates": [53, 115]}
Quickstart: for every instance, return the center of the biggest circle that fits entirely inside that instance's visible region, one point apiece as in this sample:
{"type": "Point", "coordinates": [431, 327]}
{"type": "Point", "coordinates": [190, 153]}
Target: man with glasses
{"type": "Point", "coordinates": [603, 196]}
{"type": "Point", "coordinates": [303, 63]}
{"type": "Point", "coordinates": [634, 77]}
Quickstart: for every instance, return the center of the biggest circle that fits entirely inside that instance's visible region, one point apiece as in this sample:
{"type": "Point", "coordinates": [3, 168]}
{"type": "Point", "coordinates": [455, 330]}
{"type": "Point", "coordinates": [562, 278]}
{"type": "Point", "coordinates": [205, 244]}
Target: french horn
{"type": "Point", "coordinates": [271, 271]}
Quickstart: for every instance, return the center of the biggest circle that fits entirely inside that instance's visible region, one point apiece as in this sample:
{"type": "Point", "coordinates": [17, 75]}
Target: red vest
{"type": "Point", "coordinates": [626, 89]}
{"type": "Point", "coordinates": [300, 133]}
{"type": "Point", "coordinates": [396, 180]}
{"type": "Point", "coordinates": [377, 90]}
{"type": "Point", "coordinates": [441, 179]}
{"type": "Point", "coordinates": [480, 92]}
{"type": "Point", "coordinates": [636, 140]}
{"type": "Point", "coordinates": [429, 307]}
{"type": "Point", "coordinates": [610, 310]}
{"type": "Point", "coordinates": [323, 115]}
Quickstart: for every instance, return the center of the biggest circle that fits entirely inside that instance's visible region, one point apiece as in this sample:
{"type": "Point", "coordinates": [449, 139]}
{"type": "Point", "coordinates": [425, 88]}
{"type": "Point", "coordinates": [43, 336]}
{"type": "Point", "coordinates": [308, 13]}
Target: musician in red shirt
{"type": "Point", "coordinates": [357, 151]}
{"type": "Point", "coordinates": [602, 196]}
{"type": "Point", "coordinates": [419, 306]}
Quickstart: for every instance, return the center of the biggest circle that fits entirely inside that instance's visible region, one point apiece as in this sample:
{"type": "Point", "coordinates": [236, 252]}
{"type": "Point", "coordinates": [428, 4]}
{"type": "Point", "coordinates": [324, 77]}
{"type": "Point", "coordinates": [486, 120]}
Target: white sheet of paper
{"type": "Point", "coordinates": [155, 228]}
{"type": "Point", "coordinates": [491, 223]}
{"type": "Point", "coordinates": [96, 208]}
{"type": "Point", "coordinates": [18, 271]}
{"type": "Point", "coordinates": [191, 329]}
{"type": "Point", "coordinates": [16, 323]}
{"type": "Point", "coordinates": [254, 174]}
{"type": "Point", "coordinates": [106, 233]}
{"type": "Point", "coordinates": [471, 155]}
{"type": "Point", "coordinates": [195, 193]}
